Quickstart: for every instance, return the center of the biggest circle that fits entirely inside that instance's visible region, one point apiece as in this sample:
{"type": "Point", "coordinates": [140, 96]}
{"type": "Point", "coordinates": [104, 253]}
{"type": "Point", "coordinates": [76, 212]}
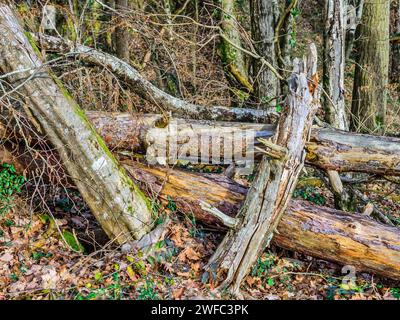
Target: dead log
{"type": "Point", "coordinates": [274, 182]}
{"type": "Point", "coordinates": [148, 91]}
{"type": "Point", "coordinates": [329, 234]}
{"type": "Point", "coordinates": [344, 151]}
{"type": "Point", "coordinates": [317, 231]}
{"type": "Point", "coordinates": [119, 206]}
{"type": "Point", "coordinates": [328, 149]}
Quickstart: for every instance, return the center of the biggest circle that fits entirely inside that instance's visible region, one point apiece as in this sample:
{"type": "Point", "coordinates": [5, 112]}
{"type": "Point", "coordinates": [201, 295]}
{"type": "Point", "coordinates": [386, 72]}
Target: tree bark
{"type": "Point", "coordinates": [317, 231]}
{"type": "Point", "coordinates": [395, 68]}
{"type": "Point", "coordinates": [264, 17]}
{"type": "Point", "coordinates": [274, 182]}
{"type": "Point", "coordinates": [118, 204]}
{"type": "Point", "coordinates": [122, 37]}
{"type": "Point", "coordinates": [371, 73]}
{"type": "Point", "coordinates": [354, 14]}
{"type": "Point", "coordinates": [233, 58]}
{"type": "Point", "coordinates": [334, 64]}
{"type": "Point", "coordinates": [328, 149]}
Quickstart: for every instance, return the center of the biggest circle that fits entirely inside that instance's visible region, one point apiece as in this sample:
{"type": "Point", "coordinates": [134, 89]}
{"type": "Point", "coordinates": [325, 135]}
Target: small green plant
{"type": "Point", "coordinates": [148, 291]}
{"type": "Point", "coordinates": [37, 255]}
{"type": "Point", "coordinates": [395, 293]}
{"type": "Point", "coordinates": [310, 194]}
{"type": "Point", "coordinates": [263, 266]}
{"type": "Point", "coordinates": [10, 184]}
{"type": "Point", "coordinates": [171, 204]}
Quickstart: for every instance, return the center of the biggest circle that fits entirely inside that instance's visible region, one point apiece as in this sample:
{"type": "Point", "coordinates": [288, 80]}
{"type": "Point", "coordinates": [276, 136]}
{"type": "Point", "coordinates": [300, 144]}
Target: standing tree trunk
{"type": "Point", "coordinates": [118, 204]}
{"type": "Point", "coordinates": [233, 58]}
{"type": "Point", "coordinates": [333, 82]}
{"type": "Point", "coordinates": [372, 66]}
{"type": "Point", "coordinates": [274, 183]}
{"type": "Point", "coordinates": [334, 64]}
{"type": "Point", "coordinates": [354, 13]}
{"type": "Point", "coordinates": [122, 37]}
{"type": "Point", "coordinates": [395, 68]}
{"type": "Point", "coordinates": [264, 17]}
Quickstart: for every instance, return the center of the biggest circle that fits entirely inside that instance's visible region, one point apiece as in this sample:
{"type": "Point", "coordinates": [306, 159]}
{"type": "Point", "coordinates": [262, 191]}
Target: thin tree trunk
{"type": "Point", "coordinates": [372, 66]}
{"type": "Point", "coordinates": [395, 68]}
{"type": "Point", "coordinates": [274, 182]}
{"type": "Point", "coordinates": [122, 36]}
{"type": "Point", "coordinates": [264, 17]}
{"type": "Point", "coordinates": [354, 14]}
{"type": "Point", "coordinates": [233, 58]}
{"type": "Point", "coordinates": [334, 64]}
{"type": "Point", "coordinates": [333, 82]}
{"type": "Point", "coordinates": [119, 206]}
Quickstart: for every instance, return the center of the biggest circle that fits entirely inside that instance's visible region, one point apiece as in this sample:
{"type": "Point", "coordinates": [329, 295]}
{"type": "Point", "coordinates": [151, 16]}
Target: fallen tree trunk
{"type": "Point", "coordinates": [329, 234]}
{"type": "Point", "coordinates": [327, 149]}
{"type": "Point", "coordinates": [317, 231]}
{"type": "Point", "coordinates": [145, 88]}
{"type": "Point", "coordinates": [119, 206]}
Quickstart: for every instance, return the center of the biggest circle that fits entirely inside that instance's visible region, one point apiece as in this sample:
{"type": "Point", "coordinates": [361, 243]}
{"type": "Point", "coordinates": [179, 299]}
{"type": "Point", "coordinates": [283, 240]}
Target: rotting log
{"type": "Point", "coordinates": [274, 181]}
{"type": "Point", "coordinates": [317, 231]}
{"type": "Point", "coordinates": [327, 149]}
{"type": "Point", "coordinates": [329, 234]}
{"type": "Point", "coordinates": [118, 204]}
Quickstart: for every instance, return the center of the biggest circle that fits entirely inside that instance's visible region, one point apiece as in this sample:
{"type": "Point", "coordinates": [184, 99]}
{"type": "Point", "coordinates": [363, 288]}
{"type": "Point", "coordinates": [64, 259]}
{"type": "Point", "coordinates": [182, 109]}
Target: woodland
{"type": "Point", "coordinates": [199, 149]}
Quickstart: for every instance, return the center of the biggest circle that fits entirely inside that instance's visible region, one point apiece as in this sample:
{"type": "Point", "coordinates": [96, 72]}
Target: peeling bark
{"type": "Point", "coordinates": [329, 234]}
{"type": "Point", "coordinates": [327, 149]}
{"type": "Point", "coordinates": [334, 64]}
{"type": "Point", "coordinates": [274, 183]}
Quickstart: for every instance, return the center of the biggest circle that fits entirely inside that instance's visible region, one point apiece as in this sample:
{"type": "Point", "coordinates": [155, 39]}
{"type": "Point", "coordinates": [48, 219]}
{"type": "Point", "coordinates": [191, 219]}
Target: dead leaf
{"type": "Point", "coordinates": [250, 280]}
{"type": "Point", "coordinates": [7, 257]}
{"type": "Point", "coordinates": [177, 293]}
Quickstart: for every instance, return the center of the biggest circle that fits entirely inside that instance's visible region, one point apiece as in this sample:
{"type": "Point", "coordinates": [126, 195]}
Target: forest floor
{"type": "Point", "coordinates": [37, 263]}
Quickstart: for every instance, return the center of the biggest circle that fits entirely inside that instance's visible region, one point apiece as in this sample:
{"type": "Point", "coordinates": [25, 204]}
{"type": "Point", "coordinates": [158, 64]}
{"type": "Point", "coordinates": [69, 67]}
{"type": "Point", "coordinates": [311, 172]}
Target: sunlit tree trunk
{"type": "Point", "coordinates": [372, 66]}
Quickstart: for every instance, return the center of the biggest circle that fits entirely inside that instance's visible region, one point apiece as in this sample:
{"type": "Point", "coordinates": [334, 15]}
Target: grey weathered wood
{"type": "Point", "coordinates": [334, 64]}
{"type": "Point", "coordinates": [274, 183]}
{"type": "Point", "coordinates": [328, 149]}
{"type": "Point", "coordinates": [264, 17]}
{"type": "Point", "coordinates": [118, 204]}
